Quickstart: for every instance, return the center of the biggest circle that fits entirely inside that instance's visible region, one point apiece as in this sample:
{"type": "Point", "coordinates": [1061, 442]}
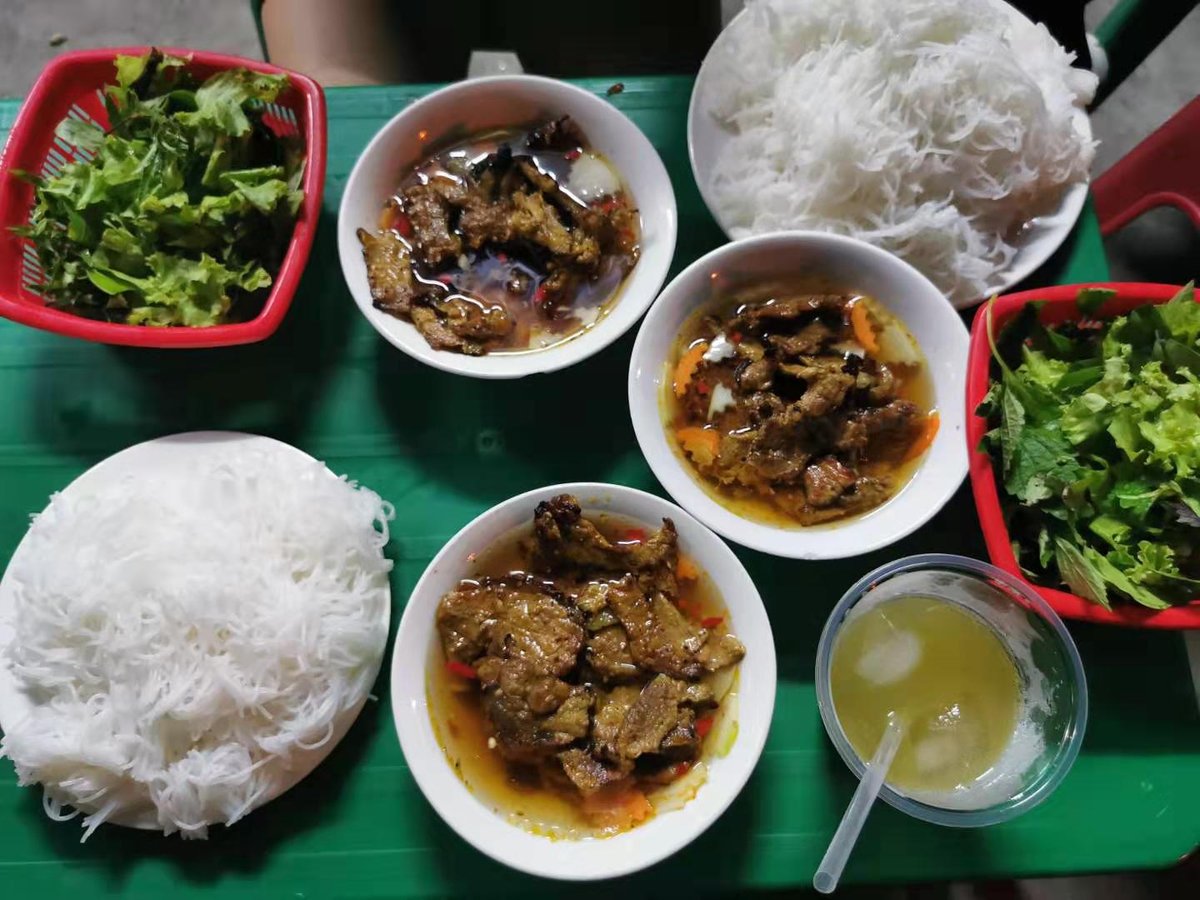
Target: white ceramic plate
{"type": "Point", "coordinates": [179, 454]}
{"type": "Point", "coordinates": [417, 651]}
{"type": "Point", "coordinates": [826, 261]}
{"type": "Point", "coordinates": [707, 139]}
{"type": "Point", "coordinates": [477, 105]}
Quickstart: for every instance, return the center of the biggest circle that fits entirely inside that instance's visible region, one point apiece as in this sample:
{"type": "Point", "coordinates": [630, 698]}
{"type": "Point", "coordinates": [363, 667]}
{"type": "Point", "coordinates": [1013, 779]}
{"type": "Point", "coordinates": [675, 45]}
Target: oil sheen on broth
{"type": "Point", "coordinates": [947, 677]}
{"type": "Point", "coordinates": [522, 794]}
{"type": "Point", "coordinates": [794, 407]}
{"type": "Point", "coordinates": [518, 239]}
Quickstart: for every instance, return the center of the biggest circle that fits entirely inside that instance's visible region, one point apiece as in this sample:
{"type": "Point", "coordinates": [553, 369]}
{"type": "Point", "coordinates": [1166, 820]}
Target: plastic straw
{"type": "Point", "coordinates": [834, 861]}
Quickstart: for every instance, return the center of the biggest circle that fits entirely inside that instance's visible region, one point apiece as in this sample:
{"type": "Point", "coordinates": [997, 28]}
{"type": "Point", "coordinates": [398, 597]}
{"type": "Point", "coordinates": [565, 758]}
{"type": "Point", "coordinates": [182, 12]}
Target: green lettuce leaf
{"type": "Point", "coordinates": [1096, 430]}
{"type": "Point", "coordinates": [186, 207]}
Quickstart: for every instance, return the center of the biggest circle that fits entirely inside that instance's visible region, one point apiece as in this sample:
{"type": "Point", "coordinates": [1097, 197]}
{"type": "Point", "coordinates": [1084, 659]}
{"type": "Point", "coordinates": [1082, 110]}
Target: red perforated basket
{"type": "Point", "coordinates": [1059, 306]}
{"type": "Point", "coordinates": [72, 85]}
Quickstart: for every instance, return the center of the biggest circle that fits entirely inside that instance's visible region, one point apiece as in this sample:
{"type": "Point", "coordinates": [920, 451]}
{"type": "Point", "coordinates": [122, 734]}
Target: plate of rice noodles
{"type": "Point", "coordinates": [952, 133]}
{"type": "Point", "coordinates": [188, 629]}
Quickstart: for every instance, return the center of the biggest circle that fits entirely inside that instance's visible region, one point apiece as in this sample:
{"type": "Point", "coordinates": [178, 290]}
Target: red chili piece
{"type": "Point", "coordinates": [461, 669]}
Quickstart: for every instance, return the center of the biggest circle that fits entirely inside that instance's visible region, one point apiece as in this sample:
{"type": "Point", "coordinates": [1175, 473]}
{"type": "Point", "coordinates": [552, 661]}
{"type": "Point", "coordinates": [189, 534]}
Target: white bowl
{"type": "Point", "coordinates": [477, 105]}
{"type": "Point", "coordinates": [417, 651]}
{"type": "Point", "coordinates": [1040, 238]}
{"type": "Point", "coordinates": [831, 262]}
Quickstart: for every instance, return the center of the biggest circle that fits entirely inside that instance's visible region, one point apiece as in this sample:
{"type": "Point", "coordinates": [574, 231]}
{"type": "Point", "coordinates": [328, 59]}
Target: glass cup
{"type": "Point", "coordinates": [1050, 674]}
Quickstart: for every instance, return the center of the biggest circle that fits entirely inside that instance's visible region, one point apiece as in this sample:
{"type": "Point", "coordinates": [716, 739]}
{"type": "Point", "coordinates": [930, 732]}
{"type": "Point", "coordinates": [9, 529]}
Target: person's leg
{"type": "Point", "coordinates": [377, 41]}
{"type": "Point", "coordinates": [343, 42]}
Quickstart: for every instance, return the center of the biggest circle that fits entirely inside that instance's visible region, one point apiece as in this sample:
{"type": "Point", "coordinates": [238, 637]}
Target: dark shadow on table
{"type": "Point", "coordinates": [241, 849]}
{"type": "Point", "coordinates": [1140, 691]}
{"type": "Point", "coordinates": [103, 398]}
{"type": "Point", "coordinates": [494, 439]}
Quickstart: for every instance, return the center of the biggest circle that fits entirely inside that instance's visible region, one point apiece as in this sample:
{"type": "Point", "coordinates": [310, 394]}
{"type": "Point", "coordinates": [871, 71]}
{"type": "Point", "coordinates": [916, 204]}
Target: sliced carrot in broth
{"type": "Point", "coordinates": [924, 440]}
{"type": "Point", "coordinates": [686, 367]}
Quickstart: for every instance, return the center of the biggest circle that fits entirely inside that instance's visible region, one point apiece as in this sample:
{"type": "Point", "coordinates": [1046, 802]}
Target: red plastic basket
{"type": "Point", "coordinates": [1059, 307]}
{"type": "Point", "coordinates": [72, 85]}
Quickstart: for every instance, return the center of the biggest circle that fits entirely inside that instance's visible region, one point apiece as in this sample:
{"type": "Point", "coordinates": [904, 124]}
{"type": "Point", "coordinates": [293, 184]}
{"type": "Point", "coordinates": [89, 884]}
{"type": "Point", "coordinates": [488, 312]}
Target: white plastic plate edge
{"type": "Point", "coordinates": [1040, 239]}
{"type": "Point", "coordinates": [177, 450]}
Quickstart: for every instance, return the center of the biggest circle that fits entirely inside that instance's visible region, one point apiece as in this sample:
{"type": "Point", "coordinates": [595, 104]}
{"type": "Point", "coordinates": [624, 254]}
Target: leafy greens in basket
{"type": "Point", "coordinates": [181, 212]}
{"type": "Point", "coordinates": [1096, 438]}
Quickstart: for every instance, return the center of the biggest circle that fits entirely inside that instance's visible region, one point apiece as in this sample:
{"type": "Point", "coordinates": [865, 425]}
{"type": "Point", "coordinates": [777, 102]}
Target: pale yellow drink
{"type": "Point", "coordinates": [943, 672]}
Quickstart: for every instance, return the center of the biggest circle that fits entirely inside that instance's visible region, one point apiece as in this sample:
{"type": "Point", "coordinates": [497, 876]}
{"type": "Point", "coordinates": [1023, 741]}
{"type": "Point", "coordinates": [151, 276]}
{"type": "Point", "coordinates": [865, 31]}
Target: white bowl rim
{"type": "Point", "coordinates": [777, 541]}
{"type": "Point", "coordinates": [627, 852]}
{"type": "Point", "coordinates": [627, 309]}
{"type": "Point", "coordinates": [1048, 232]}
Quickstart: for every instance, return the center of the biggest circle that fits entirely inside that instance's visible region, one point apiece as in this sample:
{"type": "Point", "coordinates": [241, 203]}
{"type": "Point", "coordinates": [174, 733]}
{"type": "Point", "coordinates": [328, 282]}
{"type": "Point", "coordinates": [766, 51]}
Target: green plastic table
{"type": "Point", "coordinates": [443, 449]}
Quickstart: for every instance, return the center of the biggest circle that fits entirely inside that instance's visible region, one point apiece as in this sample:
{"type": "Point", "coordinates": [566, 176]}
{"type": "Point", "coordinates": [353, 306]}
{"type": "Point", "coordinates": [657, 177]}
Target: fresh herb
{"type": "Point", "coordinates": [183, 211]}
{"type": "Point", "coordinates": [1096, 436]}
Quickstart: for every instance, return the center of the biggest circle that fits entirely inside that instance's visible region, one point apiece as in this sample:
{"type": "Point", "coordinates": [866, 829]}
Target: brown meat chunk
{"type": "Point", "coordinates": [851, 437]}
{"type": "Point", "coordinates": [593, 597]}
{"type": "Point", "coordinates": [611, 709]}
{"type": "Point", "coordinates": [779, 467]}
{"type": "Point", "coordinates": [682, 741]}
{"type": "Point", "coordinates": [542, 182]}
{"type": "Point", "coordinates": [794, 307]}
{"type": "Point", "coordinates": [808, 341]}
{"type": "Point", "coordinates": [826, 387]}
{"type": "Point", "coordinates": [519, 735]}
{"type": "Point", "coordinates": [565, 539]}
{"type": "Point", "coordinates": [546, 694]}
{"type": "Point", "coordinates": [511, 688]}
{"type": "Point", "coordinates": [474, 320]}
{"type": "Point", "coordinates": [573, 715]}
{"type": "Point", "coordinates": [617, 227]}
{"type": "Point", "coordinates": [588, 773]}
{"type": "Point", "coordinates": [651, 718]}
{"type": "Point", "coordinates": [826, 480]}
{"type": "Point", "coordinates": [389, 271]}
{"type": "Point", "coordinates": [882, 386]}
{"type": "Point", "coordinates": [888, 420]}
{"type": "Point", "coordinates": [608, 653]}
{"type": "Point", "coordinates": [787, 430]}
{"type": "Point", "coordinates": [698, 695]}
{"type": "Point", "coordinates": [726, 651]}
{"type": "Point", "coordinates": [755, 376]}
{"type": "Point", "coordinates": [433, 240]}
{"type": "Point", "coordinates": [535, 219]}
{"type": "Point", "coordinates": [439, 335]}
{"type": "Point", "coordinates": [509, 621]}
{"type": "Point", "coordinates": [537, 629]}
{"type": "Point", "coordinates": [867, 493]}
{"type": "Point", "coordinates": [464, 619]}
{"type": "Point", "coordinates": [483, 222]}
{"type": "Point", "coordinates": [661, 639]}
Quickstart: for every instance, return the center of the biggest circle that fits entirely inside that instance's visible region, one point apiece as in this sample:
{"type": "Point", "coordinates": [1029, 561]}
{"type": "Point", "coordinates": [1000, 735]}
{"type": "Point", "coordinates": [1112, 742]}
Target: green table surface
{"type": "Point", "coordinates": [443, 449]}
